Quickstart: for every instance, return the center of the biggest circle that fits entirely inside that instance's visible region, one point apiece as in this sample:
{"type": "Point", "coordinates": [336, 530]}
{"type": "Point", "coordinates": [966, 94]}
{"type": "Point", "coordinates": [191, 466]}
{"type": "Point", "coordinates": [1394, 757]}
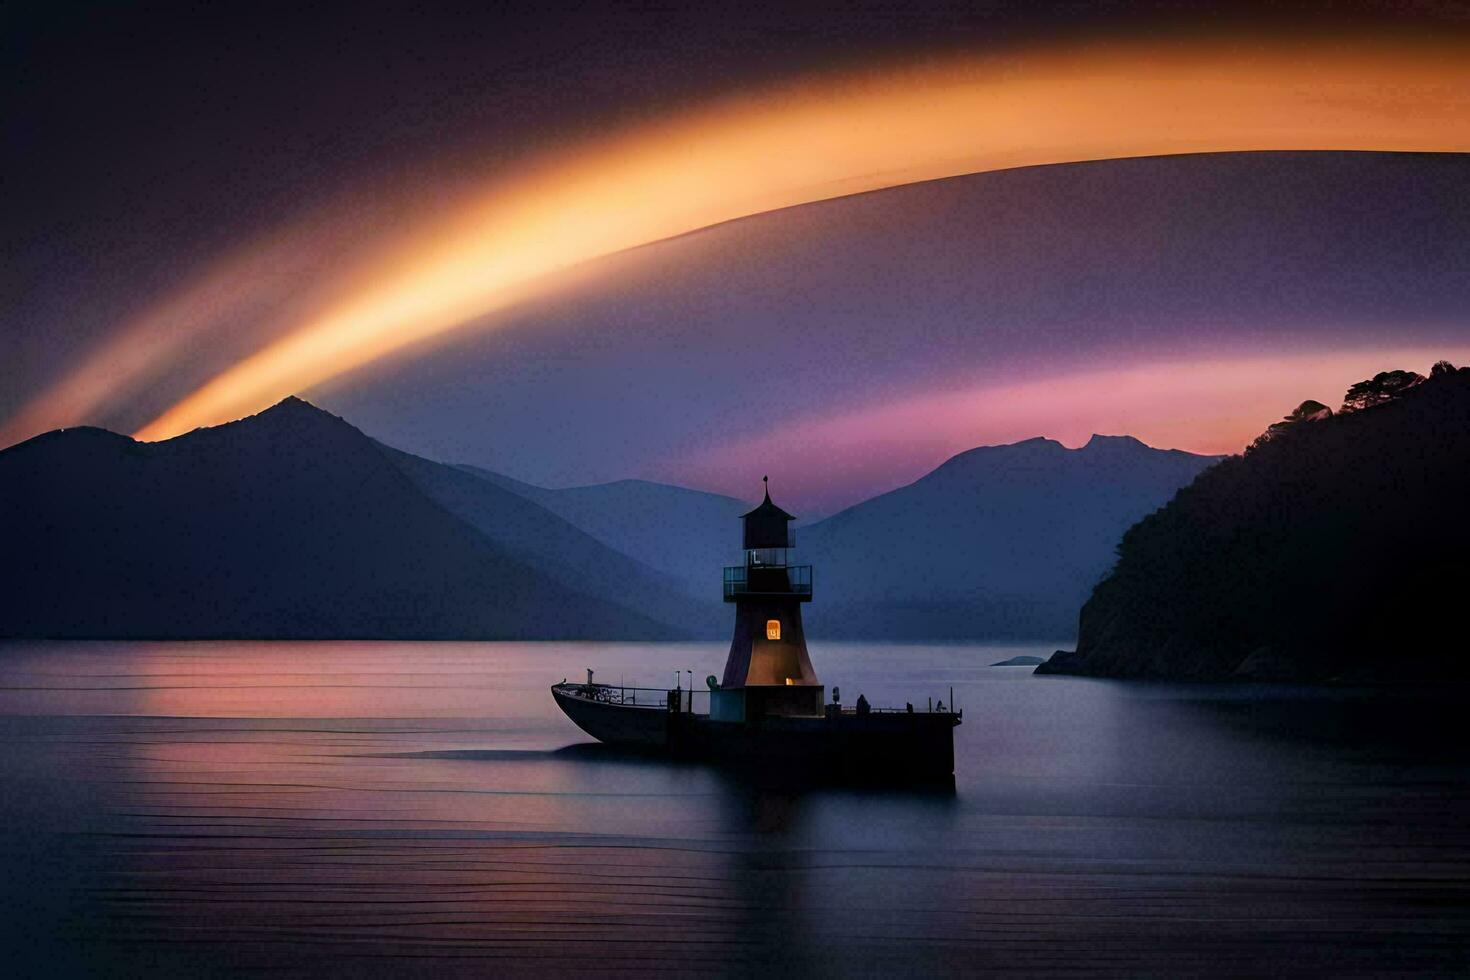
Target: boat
{"type": "Point", "coordinates": [768, 709]}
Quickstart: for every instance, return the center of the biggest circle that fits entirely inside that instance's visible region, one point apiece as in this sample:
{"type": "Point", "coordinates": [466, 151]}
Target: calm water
{"type": "Point", "coordinates": [423, 809]}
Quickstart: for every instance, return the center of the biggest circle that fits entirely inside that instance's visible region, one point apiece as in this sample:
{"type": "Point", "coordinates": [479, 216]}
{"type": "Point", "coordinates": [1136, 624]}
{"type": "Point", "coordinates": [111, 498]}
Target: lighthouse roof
{"type": "Point", "coordinates": [765, 527]}
{"type": "Point", "coordinates": [768, 511]}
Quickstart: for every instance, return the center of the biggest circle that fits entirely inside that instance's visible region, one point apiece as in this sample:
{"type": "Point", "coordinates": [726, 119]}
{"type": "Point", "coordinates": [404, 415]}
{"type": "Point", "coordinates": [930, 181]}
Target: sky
{"type": "Point", "coordinates": [195, 188]}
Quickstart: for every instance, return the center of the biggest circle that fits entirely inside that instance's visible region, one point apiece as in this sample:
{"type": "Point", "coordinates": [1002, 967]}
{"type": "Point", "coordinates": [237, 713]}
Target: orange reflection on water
{"type": "Point", "coordinates": [251, 679]}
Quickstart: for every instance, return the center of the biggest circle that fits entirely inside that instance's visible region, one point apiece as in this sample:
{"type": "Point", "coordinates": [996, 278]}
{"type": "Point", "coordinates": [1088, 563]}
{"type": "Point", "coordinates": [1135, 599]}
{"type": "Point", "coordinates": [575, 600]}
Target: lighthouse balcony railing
{"type": "Point", "coordinates": [755, 580]}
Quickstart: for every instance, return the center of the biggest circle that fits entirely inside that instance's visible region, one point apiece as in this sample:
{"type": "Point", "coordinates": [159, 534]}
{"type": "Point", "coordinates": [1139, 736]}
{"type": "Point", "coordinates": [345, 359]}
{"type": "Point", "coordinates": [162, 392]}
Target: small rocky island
{"type": "Point", "coordinates": [1336, 548]}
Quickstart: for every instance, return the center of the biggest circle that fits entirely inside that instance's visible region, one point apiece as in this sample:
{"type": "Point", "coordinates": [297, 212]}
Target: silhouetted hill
{"type": "Point", "coordinates": [290, 523]}
{"type": "Point", "coordinates": [687, 534]}
{"type": "Point", "coordinates": [537, 535]}
{"type": "Point", "coordinates": [1001, 541]}
{"type": "Point", "coordinates": [1335, 548]}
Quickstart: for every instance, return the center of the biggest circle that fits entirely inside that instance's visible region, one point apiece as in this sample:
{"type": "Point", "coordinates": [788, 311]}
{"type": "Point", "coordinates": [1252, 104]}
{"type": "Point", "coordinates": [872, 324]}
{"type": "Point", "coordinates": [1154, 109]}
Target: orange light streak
{"type": "Point", "coordinates": [833, 136]}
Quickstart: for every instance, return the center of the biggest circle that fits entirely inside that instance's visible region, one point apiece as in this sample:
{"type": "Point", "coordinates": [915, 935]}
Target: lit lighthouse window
{"type": "Point", "coordinates": [773, 629]}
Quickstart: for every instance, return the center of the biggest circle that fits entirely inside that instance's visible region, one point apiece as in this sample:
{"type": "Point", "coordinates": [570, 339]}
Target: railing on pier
{"type": "Point", "coordinates": [918, 709]}
{"type": "Point", "coordinates": [640, 697]}
{"type": "Point", "coordinates": [689, 701]}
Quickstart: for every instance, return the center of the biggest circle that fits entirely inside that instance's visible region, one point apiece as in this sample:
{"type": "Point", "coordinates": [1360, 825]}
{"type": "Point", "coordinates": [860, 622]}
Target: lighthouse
{"type": "Point", "coordinates": [767, 708]}
{"type": "Point", "coordinates": [768, 672]}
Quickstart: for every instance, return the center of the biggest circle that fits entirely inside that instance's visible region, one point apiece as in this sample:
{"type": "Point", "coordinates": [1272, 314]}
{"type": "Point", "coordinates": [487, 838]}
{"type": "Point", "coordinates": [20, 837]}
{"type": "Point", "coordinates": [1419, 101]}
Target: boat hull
{"type": "Point", "coordinates": [845, 744]}
{"type": "Point", "coordinates": [631, 726]}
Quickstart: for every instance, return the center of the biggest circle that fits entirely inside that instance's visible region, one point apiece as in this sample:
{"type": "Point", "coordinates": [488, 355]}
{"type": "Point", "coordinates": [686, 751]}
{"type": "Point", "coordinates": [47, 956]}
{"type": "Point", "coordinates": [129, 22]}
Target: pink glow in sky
{"type": "Point", "coordinates": [811, 139]}
{"type": "Point", "coordinates": [1201, 406]}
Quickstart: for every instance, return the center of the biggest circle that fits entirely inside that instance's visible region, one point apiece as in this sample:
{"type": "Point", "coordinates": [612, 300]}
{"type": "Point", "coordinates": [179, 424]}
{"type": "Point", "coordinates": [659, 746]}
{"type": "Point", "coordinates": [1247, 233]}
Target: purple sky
{"type": "Point", "coordinates": [143, 141]}
{"type": "Point", "coordinates": [747, 329]}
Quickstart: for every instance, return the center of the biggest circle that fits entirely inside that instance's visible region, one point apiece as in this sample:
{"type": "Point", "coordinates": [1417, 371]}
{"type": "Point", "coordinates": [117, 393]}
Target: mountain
{"type": "Point", "coordinates": [687, 534]}
{"type": "Point", "coordinates": [290, 523]}
{"type": "Point", "coordinates": [1334, 548]}
{"type": "Point", "coordinates": [1000, 541]}
{"type": "Point", "coordinates": [541, 538]}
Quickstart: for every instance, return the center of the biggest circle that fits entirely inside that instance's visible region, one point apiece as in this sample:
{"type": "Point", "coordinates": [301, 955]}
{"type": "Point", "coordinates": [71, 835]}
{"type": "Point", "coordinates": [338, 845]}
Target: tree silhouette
{"type": "Point", "coordinates": [1308, 411]}
{"type": "Point", "coordinates": [1382, 387]}
{"type": "Point", "coordinates": [1338, 550]}
{"type": "Point", "coordinates": [1441, 368]}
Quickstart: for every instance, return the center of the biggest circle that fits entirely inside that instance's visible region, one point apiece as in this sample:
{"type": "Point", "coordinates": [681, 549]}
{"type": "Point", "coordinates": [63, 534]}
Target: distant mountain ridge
{"type": "Point", "coordinates": [566, 549]}
{"type": "Point", "coordinates": [1335, 548]}
{"type": "Point", "coordinates": [687, 534]}
{"type": "Point", "coordinates": [997, 542]}
{"type": "Point", "coordinates": [1000, 541]}
{"type": "Point", "coordinates": [292, 523]}
{"type": "Point", "coordinates": [289, 523]}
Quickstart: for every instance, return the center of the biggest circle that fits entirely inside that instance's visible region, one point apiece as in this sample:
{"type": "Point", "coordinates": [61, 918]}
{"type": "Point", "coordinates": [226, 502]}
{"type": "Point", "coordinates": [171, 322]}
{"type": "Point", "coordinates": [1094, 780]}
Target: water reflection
{"type": "Point", "coordinates": [346, 808]}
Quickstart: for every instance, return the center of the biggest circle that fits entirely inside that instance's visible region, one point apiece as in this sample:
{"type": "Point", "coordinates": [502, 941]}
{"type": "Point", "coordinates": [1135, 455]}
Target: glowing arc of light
{"type": "Point", "coordinates": [827, 138]}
